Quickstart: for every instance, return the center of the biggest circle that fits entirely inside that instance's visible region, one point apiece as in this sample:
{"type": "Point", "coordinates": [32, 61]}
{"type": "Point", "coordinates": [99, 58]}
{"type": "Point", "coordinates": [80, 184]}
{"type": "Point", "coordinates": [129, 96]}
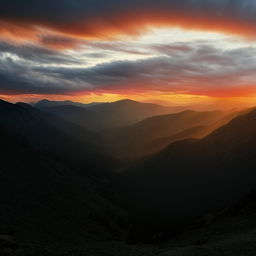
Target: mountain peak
{"type": "Point", "coordinates": [4, 102]}
{"type": "Point", "coordinates": [47, 103]}
{"type": "Point", "coordinates": [43, 100]}
{"type": "Point", "coordinates": [22, 104]}
{"type": "Point", "coordinates": [126, 101]}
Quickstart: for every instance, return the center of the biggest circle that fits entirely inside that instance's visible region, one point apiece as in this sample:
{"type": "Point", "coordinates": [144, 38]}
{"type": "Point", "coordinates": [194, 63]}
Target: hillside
{"type": "Point", "coordinates": [196, 132]}
{"type": "Point", "coordinates": [194, 177]}
{"type": "Point", "coordinates": [153, 134]}
{"type": "Point", "coordinates": [60, 196]}
{"type": "Point", "coordinates": [105, 115]}
{"type": "Point", "coordinates": [66, 141]}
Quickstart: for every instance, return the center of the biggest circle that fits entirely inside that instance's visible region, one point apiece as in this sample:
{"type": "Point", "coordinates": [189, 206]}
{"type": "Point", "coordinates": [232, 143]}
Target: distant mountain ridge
{"type": "Point", "coordinates": [153, 134]}
{"type": "Point", "coordinates": [101, 116]}
{"type": "Point", "coordinates": [47, 103]}
{"type": "Point", "coordinates": [49, 133]}
{"type": "Point", "coordinates": [132, 129]}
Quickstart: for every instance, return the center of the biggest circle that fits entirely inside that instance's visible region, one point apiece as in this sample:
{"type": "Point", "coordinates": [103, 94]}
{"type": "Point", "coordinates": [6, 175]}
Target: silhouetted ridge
{"type": "Point", "coordinates": [154, 133]}
{"type": "Point", "coordinates": [104, 116]}
{"type": "Point", "coordinates": [52, 134]}
{"type": "Point", "coordinates": [193, 177]}
{"type": "Point", "coordinates": [44, 201]}
{"type": "Point", "coordinates": [47, 103]}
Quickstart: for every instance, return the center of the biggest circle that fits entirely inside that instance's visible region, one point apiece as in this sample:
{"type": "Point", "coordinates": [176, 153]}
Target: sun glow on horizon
{"type": "Point", "coordinates": [167, 65]}
{"type": "Point", "coordinates": [196, 102]}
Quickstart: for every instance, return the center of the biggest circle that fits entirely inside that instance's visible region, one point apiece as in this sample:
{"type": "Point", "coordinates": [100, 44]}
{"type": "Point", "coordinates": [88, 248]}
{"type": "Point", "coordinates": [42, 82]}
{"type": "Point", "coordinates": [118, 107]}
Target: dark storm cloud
{"type": "Point", "coordinates": [11, 84]}
{"type": "Point", "coordinates": [17, 78]}
{"type": "Point", "coordinates": [14, 79]}
{"type": "Point", "coordinates": [204, 69]}
{"type": "Point", "coordinates": [116, 46]}
{"type": "Point", "coordinates": [36, 54]}
{"type": "Point", "coordinates": [66, 11]}
{"type": "Point", "coordinates": [100, 17]}
{"type": "Point", "coordinates": [59, 42]}
{"type": "Point", "coordinates": [41, 31]}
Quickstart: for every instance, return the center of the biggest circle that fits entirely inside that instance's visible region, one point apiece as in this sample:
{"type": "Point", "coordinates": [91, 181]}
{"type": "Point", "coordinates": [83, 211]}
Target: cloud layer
{"type": "Point", "coordinates": [197, 68]}
{"type": "Point", "coordinates": [73, 47]}
{"type": "Point", "coordinates": [100, 18]}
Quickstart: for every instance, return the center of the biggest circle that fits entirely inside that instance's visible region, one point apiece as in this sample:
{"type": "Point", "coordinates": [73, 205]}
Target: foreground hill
{"type": "Point", "coordinates": [54, 185]}
{"type": "Point", "coordinates": [193, 177]}
{"type": "Point", "coordinates": [106, 115]}
{"type": "Point", "coordinates": [227, 233]}
{"type": "Point", "coordinates": [48, 210]}
{"type": "Point", "coordinates": [42, 199]}
{"type": "Point", "coordinates": [153, 134]}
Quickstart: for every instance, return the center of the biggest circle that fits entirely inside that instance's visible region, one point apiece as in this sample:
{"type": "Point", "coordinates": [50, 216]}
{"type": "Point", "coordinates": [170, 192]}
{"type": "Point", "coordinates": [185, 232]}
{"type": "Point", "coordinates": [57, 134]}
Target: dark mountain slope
{"type": "Point", "coordinates": [51, 210]}
{"type": "Point", "coordinates": [45, 203]}
{"type": "Point", "coordinates": [53, 191]}
{"type": "Point", "coordinates": [138, 140]}
{"type": "Point", "coordinates": [230, 233]}
{"type": "Point", "coordinates": [159, 144]}
{"type": "Point", "coordinates": [194, 132]}
{"type": "Point", "coordinates": [48, 133]}
{"type": "Point", "coordinates": [193, 177]}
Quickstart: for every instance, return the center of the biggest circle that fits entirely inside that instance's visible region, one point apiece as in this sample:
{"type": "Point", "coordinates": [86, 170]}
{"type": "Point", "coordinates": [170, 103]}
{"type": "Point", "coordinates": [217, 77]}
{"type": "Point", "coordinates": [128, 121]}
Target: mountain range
{"type": "Point", "coordinates": [153, 134]}
{"type": "Point", "coordinates": [102, 116]}
{"type": "Point", "coordinates": [51, 134]}
{"type": "Point", "coordinates": [66, 188]}
{"type": "Point", "coordinates": [54, 183]}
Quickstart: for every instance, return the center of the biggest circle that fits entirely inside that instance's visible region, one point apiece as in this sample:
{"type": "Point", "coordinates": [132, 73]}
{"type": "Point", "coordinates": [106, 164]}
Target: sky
{"type": "Point", "coordinates": [198, 53]}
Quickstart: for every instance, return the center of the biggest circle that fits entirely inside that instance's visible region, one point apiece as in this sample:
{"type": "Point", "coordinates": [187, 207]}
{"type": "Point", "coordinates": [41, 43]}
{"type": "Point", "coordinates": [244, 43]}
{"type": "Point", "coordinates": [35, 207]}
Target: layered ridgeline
{"type": "Point", "coordinates": [153, 134]}
{"type": "Point", "coordinates": [46, 132]}
{"type": "Point", "coordinates": [131, 130]}
{"type": "Point", "coordinates": [100, 116]}
{"type": "Point", "coordinates": [48, 104]}
{"type": "Point", "coordinates": [194, 177]}
{"type": "Point", "coordinates": [57, 195]}
{"type": "Point", "coordinates": [54, 181]}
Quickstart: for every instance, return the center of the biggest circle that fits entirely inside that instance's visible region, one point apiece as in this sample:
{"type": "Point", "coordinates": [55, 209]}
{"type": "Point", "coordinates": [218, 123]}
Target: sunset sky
{"type": "Point", "coordinates": [186, 52]}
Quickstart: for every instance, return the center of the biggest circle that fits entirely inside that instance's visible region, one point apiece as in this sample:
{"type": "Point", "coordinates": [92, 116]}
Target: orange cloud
{"type": "Point", "coordinates": [130, 22]}
{"type": "Point", "coordinates": [64, 30]}
{"type": "Point", "coordinates": [18, 33]}
{"type": "Point", "coordinates": [27, 33]}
